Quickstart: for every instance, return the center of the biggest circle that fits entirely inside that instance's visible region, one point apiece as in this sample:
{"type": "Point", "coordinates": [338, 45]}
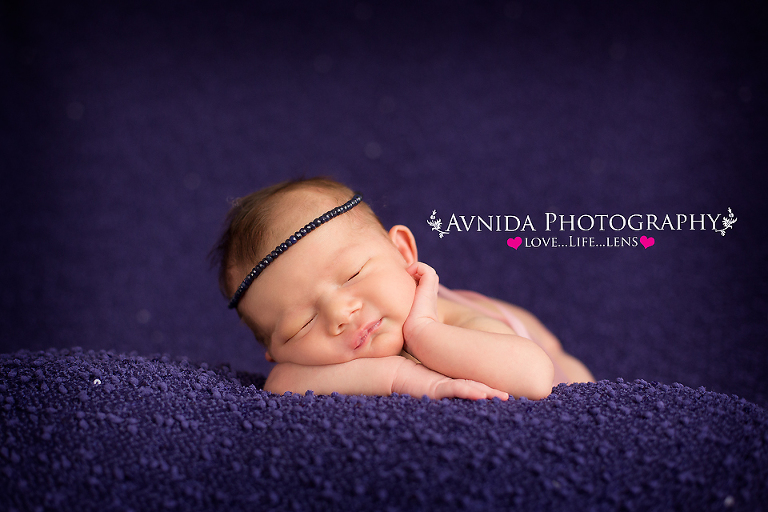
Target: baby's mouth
{"type": "Point", "coordinates": [366, 332]}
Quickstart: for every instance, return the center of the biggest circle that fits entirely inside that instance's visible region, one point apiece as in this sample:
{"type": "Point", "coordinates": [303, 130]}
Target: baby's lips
{"type": "Point", "coordinates": [362, 335]}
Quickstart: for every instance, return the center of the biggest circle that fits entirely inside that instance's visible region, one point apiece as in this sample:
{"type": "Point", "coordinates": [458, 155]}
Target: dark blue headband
{"type": "Point", "coordinates": [280, 249]}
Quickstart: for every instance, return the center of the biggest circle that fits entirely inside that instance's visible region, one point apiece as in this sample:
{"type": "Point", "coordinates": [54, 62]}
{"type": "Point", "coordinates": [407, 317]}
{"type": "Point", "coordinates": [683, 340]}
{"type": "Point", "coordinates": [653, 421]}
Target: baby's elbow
{"type": "Point", "coordinates": [279, 380]}
{"type": "Point", "coordinates": [541, 378]}
{"type": "Point", "coordinates": [272, 383]}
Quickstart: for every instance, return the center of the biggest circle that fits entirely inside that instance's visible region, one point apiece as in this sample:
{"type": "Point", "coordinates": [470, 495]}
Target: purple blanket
{"type": "Point", "coordinates": [107, 431]}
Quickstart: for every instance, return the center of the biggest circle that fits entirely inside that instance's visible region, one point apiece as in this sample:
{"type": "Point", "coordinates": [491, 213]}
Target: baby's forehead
{"type": "Point", "coordinates": [294, 209]}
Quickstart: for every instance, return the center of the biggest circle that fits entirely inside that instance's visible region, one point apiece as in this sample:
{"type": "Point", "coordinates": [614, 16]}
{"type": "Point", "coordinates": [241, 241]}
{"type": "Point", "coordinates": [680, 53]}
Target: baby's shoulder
{"type": "Point", "coordinates": [467, 317]}
{"type": "Point", "coordinates": [487, 324]}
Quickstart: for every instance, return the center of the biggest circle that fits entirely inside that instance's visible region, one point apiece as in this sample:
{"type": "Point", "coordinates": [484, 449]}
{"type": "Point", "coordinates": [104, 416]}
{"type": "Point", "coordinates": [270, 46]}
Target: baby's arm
{"type": "Point", "coordinates": [504, 361]}
{"type": "Point", "coordinates": [574, 370]}
{"type": "Point", "coordinates": [375, 376]}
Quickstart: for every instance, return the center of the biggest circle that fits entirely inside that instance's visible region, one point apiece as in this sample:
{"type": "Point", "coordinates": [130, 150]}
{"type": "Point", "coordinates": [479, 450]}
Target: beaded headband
{"type": "Point", "coordinates": [280, 249]}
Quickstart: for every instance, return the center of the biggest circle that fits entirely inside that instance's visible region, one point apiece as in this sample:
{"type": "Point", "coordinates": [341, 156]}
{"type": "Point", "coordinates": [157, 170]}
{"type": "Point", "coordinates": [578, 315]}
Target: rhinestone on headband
{"type": "Point", "coordinates": [280, 249]}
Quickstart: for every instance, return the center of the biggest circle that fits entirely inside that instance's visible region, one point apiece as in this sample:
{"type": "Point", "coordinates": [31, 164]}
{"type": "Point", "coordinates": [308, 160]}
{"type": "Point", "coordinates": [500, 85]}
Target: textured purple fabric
{"type": "Point", "coordinates": [156, 434]}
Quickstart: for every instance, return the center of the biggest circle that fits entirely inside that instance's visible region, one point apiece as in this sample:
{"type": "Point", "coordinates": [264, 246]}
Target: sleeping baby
{"type": "Point", "coordinates": [341, 304]}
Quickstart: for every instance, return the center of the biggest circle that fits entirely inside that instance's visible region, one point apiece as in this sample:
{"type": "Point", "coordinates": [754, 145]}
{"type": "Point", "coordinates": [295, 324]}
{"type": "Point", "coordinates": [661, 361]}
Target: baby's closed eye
{"type": "Point", "coordinates": [303, 327]}
{"type": "Point", "coordinates": [358, 272]}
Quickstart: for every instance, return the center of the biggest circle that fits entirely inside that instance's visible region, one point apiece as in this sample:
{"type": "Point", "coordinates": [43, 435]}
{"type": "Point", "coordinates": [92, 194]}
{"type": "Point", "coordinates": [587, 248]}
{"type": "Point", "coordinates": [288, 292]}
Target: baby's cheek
{"type": "Point", "coordinates": [405, 296]}
{"type": "Point", "coordinates": [396, 290]}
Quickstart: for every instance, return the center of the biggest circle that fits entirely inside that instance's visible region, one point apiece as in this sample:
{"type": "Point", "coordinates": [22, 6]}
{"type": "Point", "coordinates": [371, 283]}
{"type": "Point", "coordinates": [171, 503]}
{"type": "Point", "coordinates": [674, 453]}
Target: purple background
{"type": "Point", "coordinates": [127, 129]}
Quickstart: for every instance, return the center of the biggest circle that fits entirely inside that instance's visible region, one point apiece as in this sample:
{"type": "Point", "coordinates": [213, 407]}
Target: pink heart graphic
{"type": "Point", "coordinates": [647, 241]}
{"type": "Point", "coordinates": [514, 242]}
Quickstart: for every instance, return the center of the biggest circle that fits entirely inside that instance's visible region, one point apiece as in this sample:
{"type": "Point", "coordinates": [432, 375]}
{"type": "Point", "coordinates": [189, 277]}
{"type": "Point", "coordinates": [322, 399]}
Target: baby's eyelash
{"type": "Point", "coordinates": [302, 328]}
{"type": "Point", "coordinates": [357, 273]}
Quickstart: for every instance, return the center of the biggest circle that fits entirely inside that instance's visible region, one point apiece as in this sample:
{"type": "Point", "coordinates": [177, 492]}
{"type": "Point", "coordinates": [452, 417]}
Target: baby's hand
{"type": "Point", "coordinates": [468, 389]}
{"type": "Point", "coordinates": [417, 380]}
{"type": "Point", "coordinates": [424, 308]}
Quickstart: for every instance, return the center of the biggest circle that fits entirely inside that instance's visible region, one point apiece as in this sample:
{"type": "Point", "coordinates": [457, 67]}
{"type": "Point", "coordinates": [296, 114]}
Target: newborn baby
{"type": "Point", "coordinates": [341, 304]}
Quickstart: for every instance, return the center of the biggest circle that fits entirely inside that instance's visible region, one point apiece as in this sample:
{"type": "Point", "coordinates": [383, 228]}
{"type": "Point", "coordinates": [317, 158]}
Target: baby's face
{"type": "Point", "coordinates": [340, 293]}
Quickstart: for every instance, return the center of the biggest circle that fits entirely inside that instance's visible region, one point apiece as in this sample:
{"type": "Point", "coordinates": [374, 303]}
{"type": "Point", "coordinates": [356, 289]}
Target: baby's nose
{"type": "Point", "coordinates": [341, 311]}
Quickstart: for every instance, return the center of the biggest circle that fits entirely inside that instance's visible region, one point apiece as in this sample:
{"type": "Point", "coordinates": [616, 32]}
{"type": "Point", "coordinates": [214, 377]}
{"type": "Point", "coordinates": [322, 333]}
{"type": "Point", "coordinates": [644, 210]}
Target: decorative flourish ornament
{"type": "Point", "coordinates": [436, 224]}
{"type": "Point", "coordinates": [728, 222]}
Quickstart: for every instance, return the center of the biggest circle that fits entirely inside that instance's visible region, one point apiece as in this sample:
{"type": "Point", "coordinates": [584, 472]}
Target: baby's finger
{"type": "Point", "coordinates": [472, 390]}
{"type": "Point", "coordinates": [421, 269]}
{"type": "Point", "coordinates": [425, 300]}
{"type": "Point", "coordinates": [489, 391]}
{"type": "Point", "coordinates": [425, 276]}
{"type": "Point", "coordinates": [488, 396]}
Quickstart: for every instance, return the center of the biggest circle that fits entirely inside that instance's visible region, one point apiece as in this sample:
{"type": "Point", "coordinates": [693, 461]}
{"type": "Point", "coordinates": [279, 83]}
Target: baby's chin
{"type": "Point", "coordinates": [391, 350]}
{"type": "Point", "coordinates": [377, 350]}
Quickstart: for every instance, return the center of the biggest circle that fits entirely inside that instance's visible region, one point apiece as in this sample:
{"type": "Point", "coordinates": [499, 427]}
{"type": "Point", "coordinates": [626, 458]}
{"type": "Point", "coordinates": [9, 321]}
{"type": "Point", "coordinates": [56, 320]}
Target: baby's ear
{"type": "Point", "coordinates": [405, 242]}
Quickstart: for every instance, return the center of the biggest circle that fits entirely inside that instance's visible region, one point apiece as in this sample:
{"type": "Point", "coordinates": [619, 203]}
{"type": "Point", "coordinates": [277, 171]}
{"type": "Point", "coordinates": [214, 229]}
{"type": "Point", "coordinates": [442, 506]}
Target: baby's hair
{"type": "Point", "coordinates": [248, 225]}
